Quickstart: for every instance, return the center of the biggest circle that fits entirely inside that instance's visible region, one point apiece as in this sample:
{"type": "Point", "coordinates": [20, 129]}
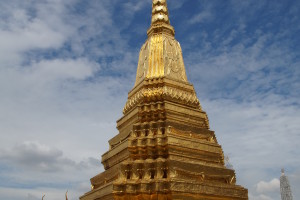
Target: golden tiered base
{"type": "Point", "coordinates": [164, 150]}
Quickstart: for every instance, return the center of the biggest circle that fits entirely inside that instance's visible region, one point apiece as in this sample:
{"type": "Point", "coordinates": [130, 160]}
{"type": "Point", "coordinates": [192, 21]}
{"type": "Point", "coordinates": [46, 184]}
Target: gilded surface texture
{"type": "Point", "coordinates": [164, 149]}
{"type": "Point", "coordinates": [161, 56]}
{"type": "Point", "coordinates": [174, 66]}
{"type": "Point", "coordinates": [143, 63]}
{"type": "Point", "coordinates": [167, 92]}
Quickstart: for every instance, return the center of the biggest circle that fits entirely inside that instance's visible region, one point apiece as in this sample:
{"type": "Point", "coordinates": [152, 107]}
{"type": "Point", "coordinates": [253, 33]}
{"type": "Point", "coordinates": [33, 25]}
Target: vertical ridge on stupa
{"type": "Point", "coordinates": [165, 148]}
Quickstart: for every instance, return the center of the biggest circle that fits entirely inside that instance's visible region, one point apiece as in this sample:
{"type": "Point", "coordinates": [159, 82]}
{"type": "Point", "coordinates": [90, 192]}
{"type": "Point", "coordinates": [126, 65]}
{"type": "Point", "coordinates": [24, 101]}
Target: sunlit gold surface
{"type": "Point", "coordinates": [160, 12]}
{"type": "Point", "coordinates": [156, 66]}
{"type": "Point", "coordinates": [161, 56]}
{"type": "Point", "coordinates": [164, 149]}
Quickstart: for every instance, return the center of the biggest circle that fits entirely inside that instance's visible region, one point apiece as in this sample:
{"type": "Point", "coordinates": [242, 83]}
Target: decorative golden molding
{"type": "Point", "coordinates": [165, 92]}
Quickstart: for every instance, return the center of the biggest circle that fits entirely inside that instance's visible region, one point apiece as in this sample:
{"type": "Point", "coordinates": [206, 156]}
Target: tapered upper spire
{"type": "Point", "coordinates": [161, 55]}
{"type": "Point", "coordinates": [160, 21]}
{"type": "Point", "coordinates": [160, 12]}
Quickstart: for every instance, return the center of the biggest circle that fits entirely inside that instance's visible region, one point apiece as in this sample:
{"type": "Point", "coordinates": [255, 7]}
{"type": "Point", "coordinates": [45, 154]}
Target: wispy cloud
{"type": "Point", "coordinates": [201, 17]}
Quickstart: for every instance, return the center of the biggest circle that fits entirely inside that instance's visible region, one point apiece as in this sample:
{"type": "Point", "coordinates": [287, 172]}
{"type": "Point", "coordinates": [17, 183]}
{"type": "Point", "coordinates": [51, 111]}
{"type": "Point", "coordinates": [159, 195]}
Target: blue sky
{"type": "Point", "coordinates": [66, 67]}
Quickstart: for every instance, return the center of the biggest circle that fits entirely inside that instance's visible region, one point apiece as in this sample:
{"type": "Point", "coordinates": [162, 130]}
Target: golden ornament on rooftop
{"type": "Point", "coordinates": [164, 149]}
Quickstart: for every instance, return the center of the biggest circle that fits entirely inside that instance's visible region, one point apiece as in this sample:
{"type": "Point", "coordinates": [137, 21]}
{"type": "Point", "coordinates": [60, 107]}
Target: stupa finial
{"type": "Point", "coordinates": [160, 12]}
{"type": "Point", "coordinates": [160, 21]}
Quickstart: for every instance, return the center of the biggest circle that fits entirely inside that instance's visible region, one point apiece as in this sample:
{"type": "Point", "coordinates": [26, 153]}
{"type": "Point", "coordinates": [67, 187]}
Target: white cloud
{"type": "Point", "coordinates": [41, 95]}
{"type": "Point", "coordinates": [63, 69]}
{"type": "Point", "coordinates": [271, 186]}
{"type": "Point", "coordinates": [22, 31]}
{"type": "Point", "coordinates": [35, 34]}
{"type": "Point", "coordinates": [201, 17]}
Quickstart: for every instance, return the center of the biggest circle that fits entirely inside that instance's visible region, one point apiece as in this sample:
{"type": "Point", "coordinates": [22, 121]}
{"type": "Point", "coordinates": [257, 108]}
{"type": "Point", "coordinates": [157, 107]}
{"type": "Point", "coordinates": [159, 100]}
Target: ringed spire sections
{"type": "Point", "coordinates": [160, 21]}
{"type": "Point", "coordinates": [160, 12]}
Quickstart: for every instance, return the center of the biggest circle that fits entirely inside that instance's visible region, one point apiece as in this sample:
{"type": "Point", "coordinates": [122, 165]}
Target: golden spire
{"type": "Point", "coordinates": [161, 54]}
{"type": "Point", "coordinates": [160, 12]}
{"type": "Point", "coordinates": [160, 21]}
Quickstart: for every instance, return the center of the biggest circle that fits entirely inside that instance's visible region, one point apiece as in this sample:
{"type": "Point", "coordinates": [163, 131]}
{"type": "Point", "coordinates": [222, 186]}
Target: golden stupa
{"type": "Point", "coordinates": [164, 149]}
